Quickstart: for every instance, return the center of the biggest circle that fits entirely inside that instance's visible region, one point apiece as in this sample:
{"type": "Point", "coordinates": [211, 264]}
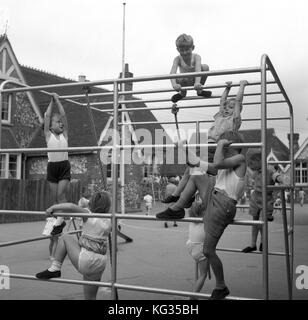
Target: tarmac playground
{"type": "Point", "coordinates": [158, 258]}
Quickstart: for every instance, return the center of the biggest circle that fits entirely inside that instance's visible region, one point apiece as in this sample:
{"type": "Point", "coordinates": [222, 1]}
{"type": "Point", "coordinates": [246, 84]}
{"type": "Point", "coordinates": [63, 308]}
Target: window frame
{"type": "Point", "coordinates": [9, 108]}
{"type": "Point", "coordinates": [6, 166]}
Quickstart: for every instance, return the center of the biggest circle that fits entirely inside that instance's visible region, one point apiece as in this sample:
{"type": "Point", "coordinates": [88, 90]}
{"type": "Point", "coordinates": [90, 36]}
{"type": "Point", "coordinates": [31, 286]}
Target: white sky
{"type": "Point", "coordinates": [72, 37]}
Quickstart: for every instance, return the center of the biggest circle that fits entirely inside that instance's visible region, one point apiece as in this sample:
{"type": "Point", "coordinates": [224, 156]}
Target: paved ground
{"type": "Point", "coordinates": [156, 258]}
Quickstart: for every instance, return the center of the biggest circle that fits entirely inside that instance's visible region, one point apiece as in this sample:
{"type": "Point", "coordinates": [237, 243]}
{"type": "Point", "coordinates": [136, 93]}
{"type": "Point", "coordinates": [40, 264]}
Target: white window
{"type": "Point", "coordinates": [6, 108]}
{"type": "Point", "coordinates": [301, 173]}
{"type": "Point", "coordinates": [109, 166]}
{"type": "Point", "coordinates": [10, 166]}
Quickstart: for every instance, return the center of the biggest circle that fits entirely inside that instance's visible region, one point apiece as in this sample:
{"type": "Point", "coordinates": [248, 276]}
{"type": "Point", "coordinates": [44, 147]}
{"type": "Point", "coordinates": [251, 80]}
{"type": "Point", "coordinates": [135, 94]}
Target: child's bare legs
{"type": "Point", "coordinates": [61, 197]}
{"type": "Point", "coordinates": [210, 244]}
{"type": "Point", "coordinates": [203, 266]}
{"type": "Point", "coordinates": [255, 230]}
{"type": "Point", "coordinates": [90, 292]}
{"type": "Point", "coordinates": [182, 184]}
{"type": "Point", "coordinates": [204, 93]}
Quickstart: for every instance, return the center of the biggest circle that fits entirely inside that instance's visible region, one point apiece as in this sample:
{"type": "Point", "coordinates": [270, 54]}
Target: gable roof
{"type": "Point", "coordinates": [301, 152]}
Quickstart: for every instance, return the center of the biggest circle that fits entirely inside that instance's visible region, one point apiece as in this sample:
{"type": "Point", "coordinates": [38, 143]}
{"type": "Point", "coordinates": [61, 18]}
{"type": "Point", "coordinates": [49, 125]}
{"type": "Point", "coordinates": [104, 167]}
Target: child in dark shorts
{"type": "Point", "coordinates": [58, 167]}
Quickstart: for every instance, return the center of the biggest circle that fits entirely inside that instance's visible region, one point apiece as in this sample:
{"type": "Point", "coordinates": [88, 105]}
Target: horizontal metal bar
{"type": "Point", "coordinates": [136, 79]}
{"type": "Point", "coordinates": [172, 292]}
{"type": "Point", "coordinates": [126, 102]}
{"type": "Point", "coordinates": [11, 243]}
{"type": "Point", "coordinates": [144, 146]}
{"type": "Point", "coordinates": [187, 107]}
{"type": "Point", "coordinates": [68, 281]}
{"type": "Point", "coordinates": [126, 216]}
{"type": "Point", "coordinates": [279, 162]}
{"type": "Point", "coordinates": [280, 187]}
{"type": "Point", "coordinates": [254, 252]}
{"type": "Point", "coordinates": [200, 121]}
{"type": "Point", "coordinates": [162, 90]}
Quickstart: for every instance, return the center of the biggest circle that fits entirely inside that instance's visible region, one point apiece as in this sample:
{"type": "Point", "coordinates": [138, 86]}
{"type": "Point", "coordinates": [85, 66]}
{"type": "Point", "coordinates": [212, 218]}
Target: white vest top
{"type": "Point", "coordinates": [57, 143]}
{"type": "Point", "coordinates": [228, 181]}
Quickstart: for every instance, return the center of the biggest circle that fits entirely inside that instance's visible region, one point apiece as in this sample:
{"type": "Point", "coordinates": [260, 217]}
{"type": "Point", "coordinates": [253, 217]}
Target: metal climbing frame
{"type": "Point", "coordinates": [265, 67]}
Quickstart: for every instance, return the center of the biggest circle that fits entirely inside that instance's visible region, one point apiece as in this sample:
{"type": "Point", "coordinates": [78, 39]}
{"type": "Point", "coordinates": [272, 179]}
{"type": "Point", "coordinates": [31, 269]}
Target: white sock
{"type": "Point", "coordinates": [55, 266]}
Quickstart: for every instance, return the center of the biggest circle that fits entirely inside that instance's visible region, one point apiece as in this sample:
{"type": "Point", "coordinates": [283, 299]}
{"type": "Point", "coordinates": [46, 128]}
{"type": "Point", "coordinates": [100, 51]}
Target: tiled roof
{"type": "Point", "coordinates": [78, 119]}
{"type": "Point", "coordinates": [280, 150]}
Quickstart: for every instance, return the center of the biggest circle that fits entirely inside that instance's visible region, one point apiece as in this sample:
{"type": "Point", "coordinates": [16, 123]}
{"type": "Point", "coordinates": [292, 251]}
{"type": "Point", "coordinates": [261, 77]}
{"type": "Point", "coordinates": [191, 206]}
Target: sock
{"type": "Point", "coordinates": [55, 266]}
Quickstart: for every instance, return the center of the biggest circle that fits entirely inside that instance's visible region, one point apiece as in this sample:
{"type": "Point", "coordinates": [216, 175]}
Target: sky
{"type": "Point", "coordinates": [73, 37]}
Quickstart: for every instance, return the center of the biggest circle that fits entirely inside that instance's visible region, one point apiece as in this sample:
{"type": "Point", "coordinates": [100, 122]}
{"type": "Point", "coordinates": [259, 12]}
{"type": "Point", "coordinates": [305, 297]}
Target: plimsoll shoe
{"type": "Point", "coordinates": [170, 214]}
{"type": "Point", "coordinates": [205, 93]}
{"type": "Point", "coordinates": [170, 198]}
{"type": "Point", "coordinates": [48, 274]}
{"type": "Point", "coordinates": [219, 294]}
{"type": "Point", "coordinates": [58, 229]}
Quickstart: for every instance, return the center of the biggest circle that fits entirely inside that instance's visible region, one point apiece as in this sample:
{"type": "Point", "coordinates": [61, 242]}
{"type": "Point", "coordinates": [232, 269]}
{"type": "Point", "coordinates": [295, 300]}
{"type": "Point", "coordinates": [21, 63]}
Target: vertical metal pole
{"type": "Point", "coordinates": [292, 182]}
{"type": "Point", "coordinates": [0, 117]}
{"type": "Point", "coordinates": [264, 179]}
{"type": "Point", "coordinates": [286, 242]}
{"type": "Point", "coordinates": [114, 191]}
{"type": "Point", "coordinates": [123, 127]}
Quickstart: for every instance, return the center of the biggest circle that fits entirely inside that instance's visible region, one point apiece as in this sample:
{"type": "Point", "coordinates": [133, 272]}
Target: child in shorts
{"type": "Point", "coordinates": [187, 61]}
{"type": "Point", "coordinates": [255, 204]}
{"type": "Point", "coordinates": [89, 253]}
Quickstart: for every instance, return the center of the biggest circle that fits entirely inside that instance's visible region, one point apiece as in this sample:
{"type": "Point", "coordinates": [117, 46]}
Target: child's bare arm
{"type": "Point", "coordinates": [221, 162]}
{"type": "Point", "coordinates": [174, 69]}
{"type": "Point", "coordinates": [197, 85]}
{"type": "Point", "coordinates": [225, 94]}
{"type": "Point", "coordinates": [62, 112]}
{"type": "Point", "coordinates": [47, 119]}
{"type": "Point", "coordinates": [239, 98]}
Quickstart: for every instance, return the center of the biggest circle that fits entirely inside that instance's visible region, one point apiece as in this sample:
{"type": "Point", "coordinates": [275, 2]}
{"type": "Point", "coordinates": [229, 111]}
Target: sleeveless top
{"type": "Point", "coordinates": [57, 143]}
{"type": "Point", "coordinates": [228, 182]}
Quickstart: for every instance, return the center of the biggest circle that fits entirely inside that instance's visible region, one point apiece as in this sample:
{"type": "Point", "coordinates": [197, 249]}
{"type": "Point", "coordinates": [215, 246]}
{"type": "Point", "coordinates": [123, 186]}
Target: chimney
{"type": "Point", "coordinates": [295, 142]}
{"type": "Point", "coordinates": [128, 86]}
{"type": "Point", "coordinates": [82, 78]}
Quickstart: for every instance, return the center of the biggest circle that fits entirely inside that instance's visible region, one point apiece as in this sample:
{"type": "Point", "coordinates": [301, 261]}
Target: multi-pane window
{"type": "Point", "coordinates": [10, 165]}
{"type": "Point", "coordinates": [301, 173]}
{"type": "Point", "coordinates": [6, 108]}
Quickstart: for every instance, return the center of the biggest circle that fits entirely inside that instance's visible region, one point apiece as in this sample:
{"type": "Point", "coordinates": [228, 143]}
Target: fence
{"type": "Point", "coordinates": [29, 195]}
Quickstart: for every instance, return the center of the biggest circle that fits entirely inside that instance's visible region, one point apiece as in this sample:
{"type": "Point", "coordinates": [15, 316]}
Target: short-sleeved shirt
{"type": "Point", "coordinates": [301, 193]}
{"type": "Point", "coordinates": [223, 124]}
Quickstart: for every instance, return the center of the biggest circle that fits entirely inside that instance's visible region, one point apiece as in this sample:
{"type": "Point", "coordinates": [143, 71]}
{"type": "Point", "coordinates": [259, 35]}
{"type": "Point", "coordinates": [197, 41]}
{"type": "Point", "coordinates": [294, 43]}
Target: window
{"type": "Point", "coordinates": [10, 165]}
{"type": "Point", "coordinates": [301, 173]}
{"type": "Point", "coordinates": [6, 108]}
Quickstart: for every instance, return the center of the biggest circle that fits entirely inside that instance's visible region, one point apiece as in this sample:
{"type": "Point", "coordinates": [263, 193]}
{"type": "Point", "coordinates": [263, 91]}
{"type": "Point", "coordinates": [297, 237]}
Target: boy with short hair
{"type": "Point", "coordinates": [188, 61]}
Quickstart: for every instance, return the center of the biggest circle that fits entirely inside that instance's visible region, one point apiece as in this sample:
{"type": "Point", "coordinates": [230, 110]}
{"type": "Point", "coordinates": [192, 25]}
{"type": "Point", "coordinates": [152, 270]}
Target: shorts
{"type": "Point", "coordinates": [148, 206]}
{"type": "Point", "coordinates": [91, 264]}
{"type": "Point", "coordinates": [185, 82]}
{"type": "Point", "coordinates": [255, 204]}
{"type": "Point", "coordinates": [57, 171]}
{"type": "Point", "coordinates": [195, 249]}
{"type": "Point", "coordinates": [219, 213]}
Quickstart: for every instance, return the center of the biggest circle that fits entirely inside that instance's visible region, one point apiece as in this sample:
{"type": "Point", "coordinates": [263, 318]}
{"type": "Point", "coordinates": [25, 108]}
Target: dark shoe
{"type": "Point", "coordinates": [261, 247]}
{"type": "Point", "coordinates": [175, 224]}
{"type": "Point", "coordinates": [170, 198]}
{"type": "Point", "coordinates": [166, 225]}
{"type": "Point", "coordinates": [189, 202]}
{"type": "Point", "coordinates": [177, 97]}
{"type": "Point", "coordinates": [205, 94]}
{"type": "Point", "coordinates": [219, 294]}
{"type": "Point", "coordinates": [48, 274]}
{"type": "Point", "coordinates": [249, 249]}
{"type": "Point", "coordinates": [270, 218]}
{"type": "Point", "coordinates": [58, 229]}
{"type": "Point", "coordinates": [170, 214]}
